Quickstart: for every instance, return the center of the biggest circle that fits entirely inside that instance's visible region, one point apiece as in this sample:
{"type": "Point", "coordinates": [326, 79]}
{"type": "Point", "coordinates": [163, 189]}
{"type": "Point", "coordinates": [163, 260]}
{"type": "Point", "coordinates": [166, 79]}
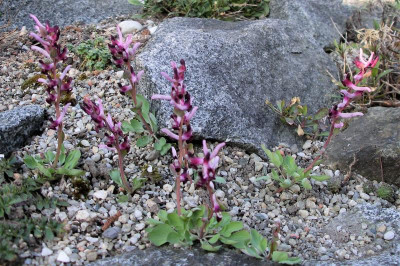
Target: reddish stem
{"type": "Point", "coordinates": [57, 107]}
{"type": "Point", "coordinates": [133, 95]}
{"type": "Point", "coordinates": [178, 179]}
{"type": "Point", "coordinates": [120, 165]}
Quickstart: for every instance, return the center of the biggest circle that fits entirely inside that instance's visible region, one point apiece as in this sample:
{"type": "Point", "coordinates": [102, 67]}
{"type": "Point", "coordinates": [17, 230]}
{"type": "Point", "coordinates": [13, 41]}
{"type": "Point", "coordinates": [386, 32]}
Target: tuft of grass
{"type": "Point", "coordinates": [221, 9]}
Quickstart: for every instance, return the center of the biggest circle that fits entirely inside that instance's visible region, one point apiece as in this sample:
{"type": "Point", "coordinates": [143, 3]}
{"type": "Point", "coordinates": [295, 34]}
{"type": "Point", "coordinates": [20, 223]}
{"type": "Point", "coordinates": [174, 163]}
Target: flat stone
{"type": "Point", "coordinates": [18, 126]}
{"type": "Point", "coordinates": [46, 251]}
{"type": "Point", "coordinates": [374, 140]}
{"type": "Point", "coordinates": [112, 232]}
{"type": "Point", "coordinates": [168, 255]}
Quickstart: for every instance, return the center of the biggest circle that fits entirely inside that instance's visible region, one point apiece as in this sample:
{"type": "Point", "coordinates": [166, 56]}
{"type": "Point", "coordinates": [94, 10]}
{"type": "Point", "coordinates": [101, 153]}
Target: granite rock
{"type": "Point", "coordinates": [374, 140]}
{"type": "Point", "coordinates": [18, 125]}
{"type": "Point", "coordinates": [267, 59]}
{"type": "Point", "coordinates": [172, 256]}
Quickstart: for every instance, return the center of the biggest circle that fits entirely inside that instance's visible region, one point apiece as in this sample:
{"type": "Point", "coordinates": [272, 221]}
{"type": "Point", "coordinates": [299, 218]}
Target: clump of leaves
{"type": "Point", "coordinates": [386, 192]}
{"type": "Point", "coordinates": [194, 226]}
{"type": "Point", "coordinates": [295, 114]}
{"type": "Point", "coordinates": [368, 187]}
{"type": "Point", "coordinates": [287, 172]}
{"type": "Point", "coordinates": [66, 164]}
{"type": "Point", "coordinates": [221, 9]}
{"type": "Point", "coordinates": [6, 252]}
{"type": "Point", "coordinates": [6, 168]}
{"type": "Point", "coordinates": [94, 54]}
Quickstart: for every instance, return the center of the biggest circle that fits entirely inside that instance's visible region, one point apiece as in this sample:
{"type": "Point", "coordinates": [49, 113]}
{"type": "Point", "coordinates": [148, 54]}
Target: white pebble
{"type": "Point", "coordinates": [139, 226]}
{"type": "Point", "coordinates": [129, 26]}
{"type": "Point", "coordinates": [364, 196]}
{"type": "Point", "coordinates": [167, 188]}
{"type": "Point", "coordinates": [100, 194]}
{"type": "Point", "coordinates": [82, 215]}
{"type": "Point", "coordinates": [63, 257]}
{"type": "Point", "coordinates": [46, 251]}
{"type": "Point", "coordinates": [388, 235]}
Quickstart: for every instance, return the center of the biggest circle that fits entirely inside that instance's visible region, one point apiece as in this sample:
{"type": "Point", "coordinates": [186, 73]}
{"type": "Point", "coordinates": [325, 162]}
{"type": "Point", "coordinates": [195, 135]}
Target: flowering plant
{"type": "Point", "coordinates": [57, 84]}
{"type": "Point", "coordinates": [123, 53]}
{"type": "Point", "coordinates": [116, 140]}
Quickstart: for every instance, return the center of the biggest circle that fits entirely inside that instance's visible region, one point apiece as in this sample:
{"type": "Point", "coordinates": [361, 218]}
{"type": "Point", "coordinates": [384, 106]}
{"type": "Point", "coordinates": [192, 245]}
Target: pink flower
{"type": "Point", "coordinates": [58, 121]}
{"type": "Point", "coordinates": [350, 85]}
{"type": "Point", "coordinates": [209, 163]}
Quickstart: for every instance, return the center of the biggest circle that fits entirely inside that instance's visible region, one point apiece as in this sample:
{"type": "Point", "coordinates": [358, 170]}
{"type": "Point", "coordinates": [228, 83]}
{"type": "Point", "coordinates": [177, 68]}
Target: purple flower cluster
{"type": "Point", "coordinates": [122, 53]}
{"type": "Point", "coordinates": [353, 91]}
{"type": "Point", "coordinates": [97, 114]}
{"type": "Point", "coordinates": [48, 37]}
{"type": "Point", "coordinates": [209, 164]}
{"type": "Point", "coordinates": [182, 102]}
{"type": "Point", "coordinates": [184, 111]}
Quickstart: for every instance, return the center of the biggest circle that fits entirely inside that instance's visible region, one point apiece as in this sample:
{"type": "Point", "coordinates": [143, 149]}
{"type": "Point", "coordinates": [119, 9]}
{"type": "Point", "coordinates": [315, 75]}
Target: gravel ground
{"type": "Point", "coordinates": [303, 215]}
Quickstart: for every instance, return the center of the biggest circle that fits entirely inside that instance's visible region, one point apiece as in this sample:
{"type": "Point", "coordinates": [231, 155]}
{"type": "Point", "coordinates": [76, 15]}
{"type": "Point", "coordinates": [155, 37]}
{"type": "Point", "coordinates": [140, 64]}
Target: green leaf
{"type": "Point", "coordinates": [152, 221]}
{"type": "Point", "coordinates": [143, 141]}
{"type": "Point", "coordinates": [214, 239]}
{"type": "Point", "coordinates": [160, 144]}
{"type": "Point", "coordinates": [153, 122]}
{"type": "Point", "coordinates": [123, 198]}
{"type": "Point", "coordinates": [165, 149]}
{"type": "Point", "coordinates": [206, 246]}
{"type": "Point", "coordinates": [306, 183]}
{"type": "Point", "coordinates": [50, 156]}
{"type": "Point", "coordinates": [138, 183]}
{"type": "Point", "coordinates": [384, 73]}
{"type": "Point", "coordinates": [135, 2]}
{"type": "Point", "coordinates": [289, 165]}
{"type": "Point", "coordinates": [274, 175]}
{"type": "Point", "coordinates": [30, 162]}
{"type": "Point", "coordinates": [265, 177]}
{"type": "Point", "coordinates": [275, 157]}
{"type": "Point", "coordinates": [61, 159]}
{"type": "Point", "coordinates": [257, 241]}
{"type": "Point", "coordinates": [173, 238]}
{"type": "Point", "coordinates": [70, 172]}
{"type": "Point", "coordinates": [163, 215]}
{"type": "Point", "coordinates": [321, 113]}
{"type": "Point", "coordinates": [72, 159]}
{"type": "Point", "coordinates": [279, 256]}
{"type": "Point", "coordinates": [48, 233]}
{"type": "Point", "coordinates": [159, 235]}
{"type": "Point", "coordinates": [320, 178]}
{"type": "Point", "coordinates": [291, 261]}
{"type": "Point", "coordinates": [251, 251]}
{"type": "Point", "coordinates": [230, 228]}
{"type": "Point", "coordinates": [220, 179]}
{"type": "Point", "coordinates": [137, 126]}
{"type": "Point", "coordinates": [237, 239]}
{"type": "Point", "coordinates": [115, 176]}
{"type": "Point", "coordinates": [175, 220]}
{"type": "Point", "coordinates": [44, 171]}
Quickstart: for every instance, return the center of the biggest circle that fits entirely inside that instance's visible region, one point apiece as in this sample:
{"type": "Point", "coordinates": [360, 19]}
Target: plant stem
{"type": "Point", "coordinates": [57, 106]}
{"type": "Point", "coordinates": [133, 95]}
{"type": "Point", "coordinates": [323, 148]}
{"type": "Point", "coordinates": [121, 167]}
{"type": "Point", "coordinates": [178, 179]}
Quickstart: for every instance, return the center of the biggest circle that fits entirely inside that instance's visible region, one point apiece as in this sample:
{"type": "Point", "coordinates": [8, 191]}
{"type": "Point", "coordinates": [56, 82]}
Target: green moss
{"type": "Point", "coordinates": [386, 192]}
{"type": "Point", "coordinates": [81, 187]}
{"type": "Point", "coordinates": [32, 83]}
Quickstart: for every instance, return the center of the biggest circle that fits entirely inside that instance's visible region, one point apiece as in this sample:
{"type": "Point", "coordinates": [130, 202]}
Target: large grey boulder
{"type": "Point", "coordinates": [374, 140]}
{"type": "Point", "coordinates": [18, 125]}
{"type": "Point", "coordinates": [316, 16]}
{"type": "Point", "coordinates": [232, 68]}
{"type": "Point", "coordinates": [328, 20]}
{"type": "Point", "coordinates": [168, 256]}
